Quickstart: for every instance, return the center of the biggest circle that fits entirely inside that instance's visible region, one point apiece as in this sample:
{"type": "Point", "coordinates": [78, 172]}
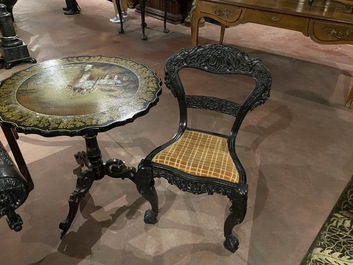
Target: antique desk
{"type": "Point", "coordinates": [80, 96]}
{"type": "Point", "coordinates": [325, 21]}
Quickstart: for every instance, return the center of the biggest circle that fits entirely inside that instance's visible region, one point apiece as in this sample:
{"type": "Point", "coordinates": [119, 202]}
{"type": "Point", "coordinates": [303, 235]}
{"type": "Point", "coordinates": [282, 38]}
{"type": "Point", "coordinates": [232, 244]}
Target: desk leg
{"type": "Point", "coordinates": [349, 103]}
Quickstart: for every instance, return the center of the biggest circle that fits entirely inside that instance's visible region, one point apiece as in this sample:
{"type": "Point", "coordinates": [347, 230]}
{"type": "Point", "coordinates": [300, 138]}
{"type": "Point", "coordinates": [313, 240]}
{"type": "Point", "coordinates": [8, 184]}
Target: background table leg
{"type": "Point", "coordinates": [349, 103]}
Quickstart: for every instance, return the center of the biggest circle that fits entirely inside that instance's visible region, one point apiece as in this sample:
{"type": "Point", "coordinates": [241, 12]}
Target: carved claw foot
{"type": "Point", "coordinates": [231, 243]}
{"type": "Point", "coordinates": [150, 217]}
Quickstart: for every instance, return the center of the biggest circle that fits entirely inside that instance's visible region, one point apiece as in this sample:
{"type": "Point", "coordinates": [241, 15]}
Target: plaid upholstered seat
{"type": "Point", "coordinates": [210, 157]}
{"type": "Point", "coordinates": [204, 160]}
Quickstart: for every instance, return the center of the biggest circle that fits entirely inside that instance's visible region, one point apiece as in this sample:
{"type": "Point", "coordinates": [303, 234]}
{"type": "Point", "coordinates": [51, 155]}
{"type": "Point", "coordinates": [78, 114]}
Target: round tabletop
{"type": "Point", "coordinates": [76, 95]}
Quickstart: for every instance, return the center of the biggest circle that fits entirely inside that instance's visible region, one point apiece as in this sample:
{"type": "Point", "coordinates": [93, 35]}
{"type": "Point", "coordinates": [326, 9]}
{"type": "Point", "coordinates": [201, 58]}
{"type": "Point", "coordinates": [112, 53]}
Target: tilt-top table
{"type": "Point", "coordinates": [80, 96]}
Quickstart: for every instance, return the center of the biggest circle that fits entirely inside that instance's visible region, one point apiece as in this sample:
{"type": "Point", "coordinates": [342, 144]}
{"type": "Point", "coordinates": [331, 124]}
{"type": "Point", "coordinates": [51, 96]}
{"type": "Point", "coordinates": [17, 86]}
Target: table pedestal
{"type": "Point", "coordinates": [95, 170]}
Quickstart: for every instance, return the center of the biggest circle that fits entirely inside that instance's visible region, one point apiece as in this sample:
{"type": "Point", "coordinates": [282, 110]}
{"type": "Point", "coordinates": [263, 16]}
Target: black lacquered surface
{"type": "Point", "coordinates": [73, 95]}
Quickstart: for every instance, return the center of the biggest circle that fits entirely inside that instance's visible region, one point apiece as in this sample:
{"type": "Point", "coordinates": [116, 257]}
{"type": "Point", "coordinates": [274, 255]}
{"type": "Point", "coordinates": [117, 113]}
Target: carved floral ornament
{"type": "Point", "coordinates": [339, 34]}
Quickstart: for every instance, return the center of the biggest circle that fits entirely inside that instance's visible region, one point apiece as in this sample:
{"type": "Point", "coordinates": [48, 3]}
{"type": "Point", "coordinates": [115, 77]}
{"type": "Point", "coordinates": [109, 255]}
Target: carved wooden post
{"type": "Point", "coordinates": [13, 49]}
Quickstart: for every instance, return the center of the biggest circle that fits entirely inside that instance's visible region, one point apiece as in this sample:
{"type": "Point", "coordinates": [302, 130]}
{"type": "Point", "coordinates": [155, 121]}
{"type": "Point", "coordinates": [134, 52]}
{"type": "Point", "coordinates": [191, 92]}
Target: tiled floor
{"type": "Point", "coordinates": [297, 149]}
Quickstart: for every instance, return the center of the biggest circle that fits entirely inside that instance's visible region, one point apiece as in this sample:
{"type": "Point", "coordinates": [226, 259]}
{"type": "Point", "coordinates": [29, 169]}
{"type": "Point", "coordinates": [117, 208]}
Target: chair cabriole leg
{"type": "Point", "coordinates": [238, 211]}
{"type": "Point", "coordinates": [145, 186]}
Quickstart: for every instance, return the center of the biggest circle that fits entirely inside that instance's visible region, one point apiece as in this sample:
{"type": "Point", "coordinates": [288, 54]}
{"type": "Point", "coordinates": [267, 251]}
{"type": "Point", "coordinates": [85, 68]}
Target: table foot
{"type": "Point", "coordinates": [113, 167]}
{"type": "Point", "coordinates": [116, 168]}
{"type": "Point", "coordinates": [83, 184]}
{"type": "Point", "coordinates": [349, 104]}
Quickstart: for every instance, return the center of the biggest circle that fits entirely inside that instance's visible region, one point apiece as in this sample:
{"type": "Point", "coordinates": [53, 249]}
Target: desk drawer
{"type": "Point", "coordinates": [278, 20]}
{"type": "Point", "coordinates": [218, 11]}
{"type": "Point", "coordinates": [331, 33]}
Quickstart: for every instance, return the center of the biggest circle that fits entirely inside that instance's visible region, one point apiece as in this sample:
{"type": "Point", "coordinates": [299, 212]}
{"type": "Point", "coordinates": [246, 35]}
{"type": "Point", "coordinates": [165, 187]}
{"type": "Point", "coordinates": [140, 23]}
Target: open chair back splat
{"type": "Point", "coordinates": [201, 160]}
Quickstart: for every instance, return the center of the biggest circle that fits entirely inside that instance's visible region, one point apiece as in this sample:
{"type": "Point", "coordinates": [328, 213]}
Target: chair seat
{"type": "Point", "coordinates": [210, 157]}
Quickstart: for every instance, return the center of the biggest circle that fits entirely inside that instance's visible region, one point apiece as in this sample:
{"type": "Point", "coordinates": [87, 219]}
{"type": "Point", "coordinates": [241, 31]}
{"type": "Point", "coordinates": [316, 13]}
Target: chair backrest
{"type": "Point", "coordinates": [217, 59]}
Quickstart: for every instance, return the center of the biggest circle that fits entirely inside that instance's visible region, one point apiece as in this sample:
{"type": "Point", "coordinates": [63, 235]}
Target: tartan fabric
{"type": "Point", "coordinates": [200, 154]}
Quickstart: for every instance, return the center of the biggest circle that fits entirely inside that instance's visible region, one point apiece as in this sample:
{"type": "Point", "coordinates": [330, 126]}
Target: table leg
{"type": "Point", "coordinates": [166, 7]}
{"type": "Point", "coordinates": [96, 169]}
{"type": "Point", "coordinates": [92, 159]}
{"type": "Point", "coordinates": [143, 22]}
{"type": "Point", "coordinates": [349, 103]}
{"type": "Point", "coordinates": [121, 30]}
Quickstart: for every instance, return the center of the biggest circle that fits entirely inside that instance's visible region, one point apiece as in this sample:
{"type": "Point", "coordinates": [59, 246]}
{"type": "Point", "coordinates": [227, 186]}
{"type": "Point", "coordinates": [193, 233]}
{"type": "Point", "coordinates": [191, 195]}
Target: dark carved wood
{"type": "Point", "coordinates": [13, 49]}
{"type": "Point", "coordinates": [9, 6]}
{"type": "Point", "coordinates": [13, 190]}
{"type": "Point", "coordinates": [142, 8]}
{"type": "Point", "coordinates": [176, 12]}
{"type": "Point", "coordinates": [198, 185]}
{"type": "Point", "coordinates": [96, 169]}
{"type": "Point", "coordinates": [217, 59]}
{"type": "Point", "coordinates": [138, 91]}
{"type": "Point", "coordinates": [223, 106]}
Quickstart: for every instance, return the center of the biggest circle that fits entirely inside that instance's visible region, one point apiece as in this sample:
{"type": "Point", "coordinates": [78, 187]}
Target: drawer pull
{"type": "Point", "coordinates": [274, 18]}
{"type": "Point", "coordinates": [222, 13]}
{"type": "Point", "coordinates": [338, 34]}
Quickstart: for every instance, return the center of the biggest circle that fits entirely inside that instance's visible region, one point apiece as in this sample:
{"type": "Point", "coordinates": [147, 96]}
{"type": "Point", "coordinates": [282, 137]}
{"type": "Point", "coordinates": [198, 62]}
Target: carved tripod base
{"type": "Point", "coordinates": [83, 184]}
{"type": "Point", "coordinates": [96, 169]}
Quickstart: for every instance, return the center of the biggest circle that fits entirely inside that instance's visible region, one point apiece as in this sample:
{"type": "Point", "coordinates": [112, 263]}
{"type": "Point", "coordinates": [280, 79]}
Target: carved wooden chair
{"type": "Point", "coordinates": [202, 161]}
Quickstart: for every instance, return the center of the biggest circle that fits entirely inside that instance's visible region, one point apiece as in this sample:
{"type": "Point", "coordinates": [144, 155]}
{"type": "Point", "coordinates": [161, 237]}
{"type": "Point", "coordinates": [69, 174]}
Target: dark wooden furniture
{"type": "Point", "coordinates": [80, 96]}
{"type": "Point", "coordinates": [12, 49]}
{"type": "Point", "coordinates": [334, 242]}
{"type": "Point", "coordinates": [205, 160]}
{"type": "Point", "coordinates": [143, 14]}
{"type": "Point", "coordinates": [11, 137]}
{"type": "Point", "coordinates": [325, 22]}
{"type": "Point", "coordinates": [14, 190]}
{"type": "Point", "coordinates": [9, 6]}
{"type": "Point", "coordinates": [176, 13]}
